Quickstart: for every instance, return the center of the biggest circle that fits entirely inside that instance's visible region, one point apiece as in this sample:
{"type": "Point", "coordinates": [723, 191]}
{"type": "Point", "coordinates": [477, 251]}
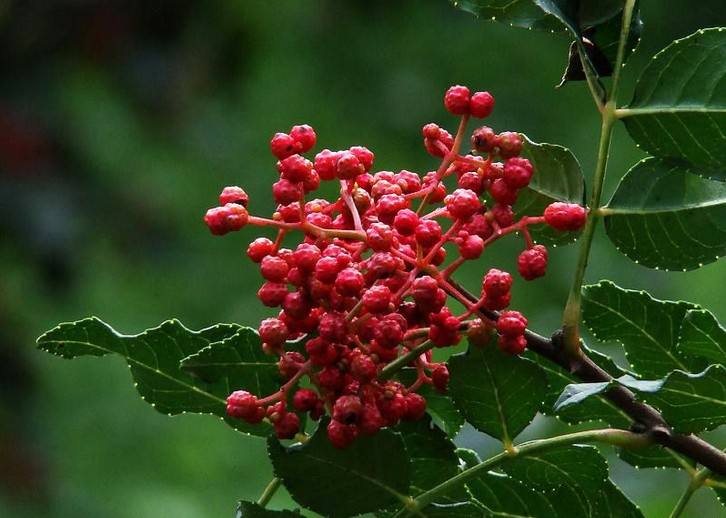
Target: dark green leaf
{"type": "Point", "coordinates": [433, 459]}
{"type": "Point", "coordinates": [457, 510]}
{"type": "Point", "coordinates": [664, 216]}
{"type": "Point", "coordinates": [679, 107]}
{"type": "Point", "coordinates": [252, 510]}
{"type": "Point", "coordinates": [371, 474]}
{"type": "Point", "coordinates": [601, 42]}
{"type": "Point", "coordinates": [691, 403]}
{"type": "Point", "coordinates": [439, 406]}
{"type": "Point", "coordinates": [153, 357]}
{"type": "Point", "coordinates": [497, 393]}
{"type": "Point", "coordinates": [648, 328]}
{"type": "Point", "coordinates": [574, 480]}
{"type": "Point", "coordinates": [469, 457]}
{"type": "Point", "coordinates": [650, 457]}
{"type": "Point", "coordinates": [557, 177]}
{"type": "Point", "coordinates": [594, 409]}
{"type": "Point", "coordinates": [702, 336]}
{"type": "Point", "coordinates": [720, 495]}
{"type": "Point", "coordinates": [501, 495]}
{"type": "Point", "coordinates": [239, 361]}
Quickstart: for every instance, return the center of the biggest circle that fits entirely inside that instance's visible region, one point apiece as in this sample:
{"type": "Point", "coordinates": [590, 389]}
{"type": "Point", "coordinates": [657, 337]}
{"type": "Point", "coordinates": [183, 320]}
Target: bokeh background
{"type": "Point", "coordinates": [119, 124]}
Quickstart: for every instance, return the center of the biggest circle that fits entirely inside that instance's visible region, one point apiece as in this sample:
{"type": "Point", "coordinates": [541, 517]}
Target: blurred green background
{"type": "Point", "coordinates": [119, 124]}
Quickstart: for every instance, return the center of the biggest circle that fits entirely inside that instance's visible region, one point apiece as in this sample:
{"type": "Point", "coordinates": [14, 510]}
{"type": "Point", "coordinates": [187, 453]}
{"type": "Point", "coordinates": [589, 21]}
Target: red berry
{"type": "Point", "coordinates": [481, 105]}
{"type": "Point", "coordinates": [290, 363]}
{"type": "Point", "coordinates": [415, 407]}
{"type": "Point", "coordinates": [349, 282]}
{"type": "Point", "coordinates": [517, 172]}
{"type": "Point", "coordinates": [272, 294]}
{"type": "Point", "coordinates": [296, 305]}
{"type": "Point", "coordinates": [370, 420]}
{"type": "Point", "coordinates": [471, 247]}
{"type": "Point", "coordinates": [274, 269]}
{"type": "Point", "coordinates": [341, 435]}
{"type": "Point", "coordinates": [503, 214]}
{"type": "Point", "coordinates": [282, 145]}
{"type": "Point", "coordinates": [305, 400]}
{"type": "Point", "coordinates": [304, 137]}
{"type": "Point", "coordinates": [440, 377]}
{"type": "Point", "coordinates": [347, 409]}
{"type": "Point", "coordinates": [333, 327]}
{"type": "Point", "coordinates": [377, 299]}
{"type": "Point", "coordinates": [228, 218]}
{"type": "Point", "coordinates": [348, 166]}
{"type": "Point", "coordinates": [511, 323]}
{"type": "Point", "coordinates": [325, 164]}
{"type": "Point", "coordinates": [286, 192]}
{"type": "Point", "coordinates": [565, 216]}
{"type": "Point", "coordinates": [406, 222]}
{"type": "Point", "coordinates": [259, 249]}
{"type": "Point", "coordinates": [431, 131]}
{"type": "Point", "coordinates": [509, 144]}
{"type": "Point", "coordinates": [497, 283]}
{"type": "Point", "coordinates": [287, 426]}
{"type": "Point", "coordinates": [390, 331]}
{"type": "Point", "coordinates": [234, 194]}
{"type": "Point", "coordinates": [512, 344]}
{"type": "Point", "coordinates": [462, 204]}
{"type": "Point", "coordinates": [424, 289]}
{"type": "Point", "coordinates": [380, 237]}
{"type": "Point", "coordinates": [502, 192]}
{"type": "Point", "coordinates": [306, 257]}
{"type": "Point", "coordinates": [363, 368]}
{"type": "Point", "coordinates": [327, 269]}
{"type": "Point", "coordinates": [456, 100]}
{"type": "Point", "coordinates": [295, 168]}
{"type": "Point", "coordinates": [242, 405]}
{"type": "Point", "coordinates": [428, 232]}
{"type": "Point", "coordinates": [471, 181]}
{"type": "Point", "coordinates": [273, 331]}
{"type": "Point", "coordinates": [389, 205]}
{"type": "Point", "coordinates": [365, 156]}
{"type": "Point", "coordinates": [532, 263]}
{"type": "Point", "coordinates": [484, 139]}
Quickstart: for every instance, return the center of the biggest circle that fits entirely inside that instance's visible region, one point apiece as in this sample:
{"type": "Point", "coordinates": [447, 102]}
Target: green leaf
{"type": "Point", "coordinates": [664, 216]}
{"type": "Point", "coordinates": [702, 336]}
{"type": "Point", "coordinates": [577, 392]}
{"type": "Point", "coordinates": [457, 510]}
{"type": "Point", "coordinates": [679, 107]}
{"type": "Point", "coordinates": [691, 403]}
{"type": "Point", "coordinates": [557, 177]}
{"type": "Point", "coordinates": [547, 15]}
{"type": "Point", "coordinates": [601, 43]}
{"type": "Point", "coordinates": [501, 495]}
{"type": "Point", "coordinates": [252, 510]}
{"type": "Point", "coordinates": [651, 457]}
{"type": "Point", "coordinates": [239, 361]}
{"type": "Point", "coordinates": [594, 409]}
{"type": "Point", "coordinates": [433, 459]}
{"type": "Point", "coordinates": [468, 457]}
{"type": "Point", "coordinates": [648, 328]}
{"type": "Point", "coordinates": [153, 357]}
{"type": "Point", "coordinates": [720, 495]}
{"type": "Point", "coordinates": [371, 474]}
{"type": "Point", "coordinates": [439, 406]}
{"type": "Point", "coordinates": [574, 480]}
{"type": "Point", "coordinates": [497, 393]}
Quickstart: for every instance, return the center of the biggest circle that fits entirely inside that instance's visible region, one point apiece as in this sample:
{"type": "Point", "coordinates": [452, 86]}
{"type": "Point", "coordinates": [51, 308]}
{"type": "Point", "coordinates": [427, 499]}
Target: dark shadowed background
{"type": "Point", "coordinates": [119, 124]}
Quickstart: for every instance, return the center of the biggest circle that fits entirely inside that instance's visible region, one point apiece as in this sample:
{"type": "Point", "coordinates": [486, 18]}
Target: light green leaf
{"type": "Point", "coordinates": [153, 357]}
{"type": "Point", "coordinates": [594, 409]}
{"type": "Point", "coordinates": [557, 177]}
{"type": "Point", "coordinates": [702, 336]}
{"type": "Point", "coordinates": [690, 403]}
{"type": "Point", "coordinates": [679, 107]}
{"type": "Point", "coordinates": [372, 474]}
{"type": "Point", "coordinates": [577, 392]}
{"type": "Point", "coordinates": [239, 361]}
{"type": "Point", "coordinates": [648, 328]}
{"type": "Point", "coordinates": [252, 510]}
{"type": "Point", "coordinates": [664, 216]}
{"type": "Point", "coordinates": [497, 393]}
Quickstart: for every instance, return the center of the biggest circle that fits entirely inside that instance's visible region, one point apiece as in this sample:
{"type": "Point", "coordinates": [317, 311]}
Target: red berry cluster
{"type": "Point", "coordinates": [366, 291]}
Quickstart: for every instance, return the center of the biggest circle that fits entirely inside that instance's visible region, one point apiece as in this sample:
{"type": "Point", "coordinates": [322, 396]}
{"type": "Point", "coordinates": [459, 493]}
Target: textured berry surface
{"type": "Point", "coordinates": [371, 277]}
